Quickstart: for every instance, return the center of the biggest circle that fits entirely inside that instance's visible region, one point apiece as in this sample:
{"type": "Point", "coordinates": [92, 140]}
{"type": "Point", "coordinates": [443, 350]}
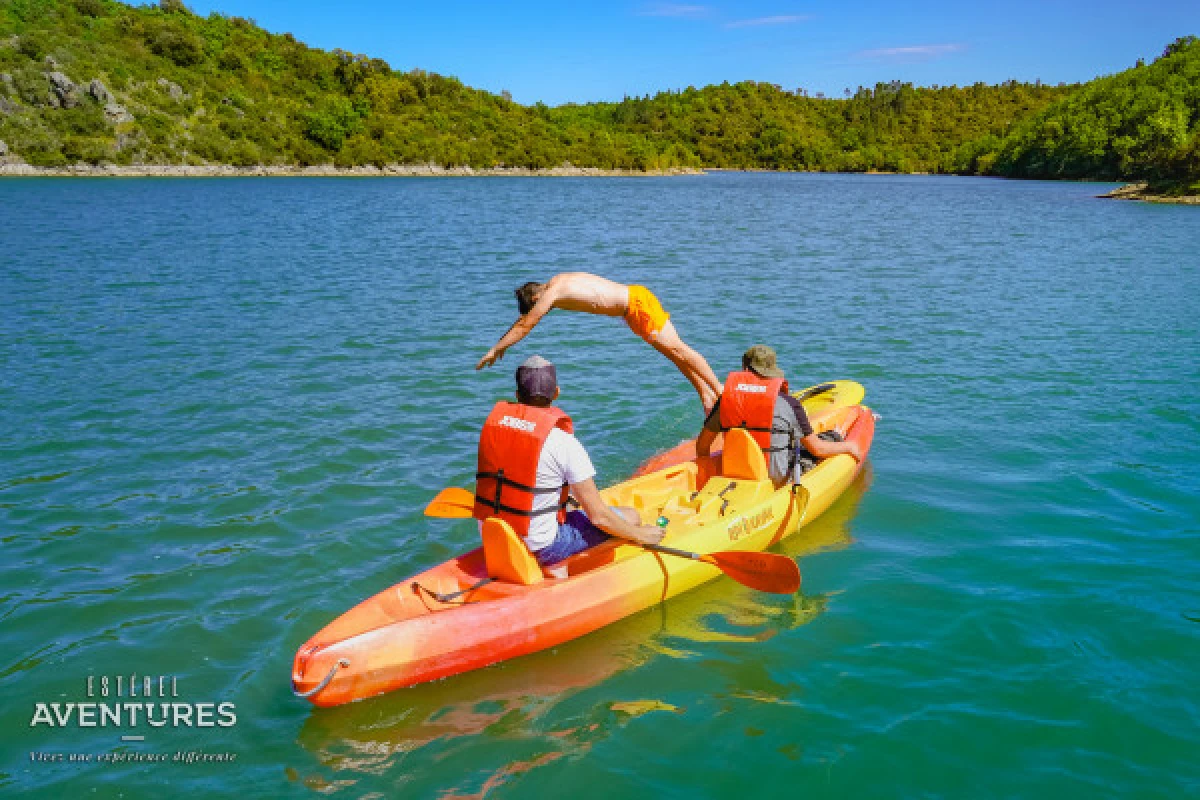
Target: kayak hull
{"type": "Point", "coordinates": [405, 635]}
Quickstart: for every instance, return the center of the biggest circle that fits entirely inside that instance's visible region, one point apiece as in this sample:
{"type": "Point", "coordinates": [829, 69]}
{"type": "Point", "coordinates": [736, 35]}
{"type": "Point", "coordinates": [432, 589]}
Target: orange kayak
{"type": "Point", "coordinates": [413, 632]}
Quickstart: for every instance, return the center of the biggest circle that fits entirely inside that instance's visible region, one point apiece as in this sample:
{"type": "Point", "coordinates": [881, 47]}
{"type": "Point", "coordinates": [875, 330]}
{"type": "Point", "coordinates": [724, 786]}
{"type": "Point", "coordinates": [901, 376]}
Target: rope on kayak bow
{"type": "Point", "coordinates": [341, 662]}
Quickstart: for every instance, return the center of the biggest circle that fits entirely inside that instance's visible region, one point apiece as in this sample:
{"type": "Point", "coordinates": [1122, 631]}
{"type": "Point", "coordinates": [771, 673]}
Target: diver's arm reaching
{"type": "Point", "coordinates": [521, 328]}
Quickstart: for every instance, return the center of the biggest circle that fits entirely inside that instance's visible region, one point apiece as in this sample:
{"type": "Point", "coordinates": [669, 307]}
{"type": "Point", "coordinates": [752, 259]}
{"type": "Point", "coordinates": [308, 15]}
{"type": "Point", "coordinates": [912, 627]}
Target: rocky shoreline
{"type": "Point", "coordinates": [1143, 191]}
{"type": "Point", "coordinates": [10, 167]}
{"type": "Point", "coordinates": [322, 171]}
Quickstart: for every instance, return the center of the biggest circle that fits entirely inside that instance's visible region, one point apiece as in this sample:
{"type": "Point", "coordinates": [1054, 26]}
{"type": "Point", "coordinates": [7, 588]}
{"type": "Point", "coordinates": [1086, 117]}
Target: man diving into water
{"type": "Point", "coordinates": [581, 291]}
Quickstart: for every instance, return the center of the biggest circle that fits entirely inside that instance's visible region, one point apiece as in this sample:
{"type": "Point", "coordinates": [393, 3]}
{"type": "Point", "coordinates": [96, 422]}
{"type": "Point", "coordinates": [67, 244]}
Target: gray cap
{"type": "Point", "coordinates": [536, 377]}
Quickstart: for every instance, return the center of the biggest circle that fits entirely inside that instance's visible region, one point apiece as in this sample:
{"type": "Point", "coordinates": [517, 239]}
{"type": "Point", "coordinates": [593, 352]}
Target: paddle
{"type": "Point", "coordinates": [766, 572]}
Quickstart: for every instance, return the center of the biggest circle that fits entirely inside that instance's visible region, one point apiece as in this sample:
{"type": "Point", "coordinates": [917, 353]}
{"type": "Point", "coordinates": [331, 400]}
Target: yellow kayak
{"type": "Point", "coordinates": [495, 602]}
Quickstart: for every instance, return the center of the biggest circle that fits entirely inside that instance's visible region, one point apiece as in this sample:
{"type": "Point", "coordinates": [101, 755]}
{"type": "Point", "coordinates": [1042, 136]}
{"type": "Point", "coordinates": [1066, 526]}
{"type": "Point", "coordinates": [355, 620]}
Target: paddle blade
{"type": "Point", "coordinates": [451, 503]}
{"type": "Point", "coordinates": [766, 572]}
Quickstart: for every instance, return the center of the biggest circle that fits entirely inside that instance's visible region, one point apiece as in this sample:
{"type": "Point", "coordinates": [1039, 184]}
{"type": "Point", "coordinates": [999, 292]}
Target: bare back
{"type": "Point", "coordinates": [583, 291]}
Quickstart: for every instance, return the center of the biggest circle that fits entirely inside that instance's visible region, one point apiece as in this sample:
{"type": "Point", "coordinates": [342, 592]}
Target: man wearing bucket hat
{"type": "Point", "coordinates": [757, 399]}
{"type": "Point", "coordinates": [529, 459]}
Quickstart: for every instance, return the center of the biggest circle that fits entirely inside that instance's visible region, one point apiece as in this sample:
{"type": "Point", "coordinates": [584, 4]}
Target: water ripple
{"type": "Point", "coordinates": [219, 423]}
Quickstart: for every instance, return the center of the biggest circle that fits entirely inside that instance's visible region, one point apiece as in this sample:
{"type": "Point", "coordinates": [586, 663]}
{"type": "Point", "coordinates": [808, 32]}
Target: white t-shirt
{"type": "Point", "coordinates": [563, 460]}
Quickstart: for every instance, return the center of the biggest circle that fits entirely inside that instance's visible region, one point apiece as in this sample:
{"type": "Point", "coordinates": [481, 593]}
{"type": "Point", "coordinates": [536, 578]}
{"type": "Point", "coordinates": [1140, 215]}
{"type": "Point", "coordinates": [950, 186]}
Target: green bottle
{"type": "Point", "coordinates": [662, 522]}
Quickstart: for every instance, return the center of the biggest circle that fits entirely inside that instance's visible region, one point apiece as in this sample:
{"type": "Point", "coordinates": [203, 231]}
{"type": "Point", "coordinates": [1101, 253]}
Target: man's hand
{"type": "Point", "coordinates": [490, 358]}
{"type": "Point", "coordinates": [649, 534]}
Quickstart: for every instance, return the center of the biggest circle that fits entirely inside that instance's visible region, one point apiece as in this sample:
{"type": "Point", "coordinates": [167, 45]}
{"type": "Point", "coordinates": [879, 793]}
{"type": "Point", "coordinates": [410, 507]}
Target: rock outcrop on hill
{"type": "Point", "coordinates": [64, 90]}
{"type": "Point", "coordinates": [99, 92]}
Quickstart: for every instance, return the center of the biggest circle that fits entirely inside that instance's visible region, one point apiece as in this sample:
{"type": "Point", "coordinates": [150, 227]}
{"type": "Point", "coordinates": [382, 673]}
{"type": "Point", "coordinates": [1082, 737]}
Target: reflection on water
{"type": "Point", "coordinates": [532, 701]}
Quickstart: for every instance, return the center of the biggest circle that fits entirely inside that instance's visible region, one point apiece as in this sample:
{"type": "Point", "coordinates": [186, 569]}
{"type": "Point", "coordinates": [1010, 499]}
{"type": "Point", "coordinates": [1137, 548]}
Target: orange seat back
{"type": "Point", "coordinates": [506, 556]}
{"type": "Point", "coordinates": [742, 458]}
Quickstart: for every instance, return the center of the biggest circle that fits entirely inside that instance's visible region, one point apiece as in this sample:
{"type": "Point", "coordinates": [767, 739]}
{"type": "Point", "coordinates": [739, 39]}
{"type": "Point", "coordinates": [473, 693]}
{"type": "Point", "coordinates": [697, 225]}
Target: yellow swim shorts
{"type": "Point", "coordinates": [645, 315]}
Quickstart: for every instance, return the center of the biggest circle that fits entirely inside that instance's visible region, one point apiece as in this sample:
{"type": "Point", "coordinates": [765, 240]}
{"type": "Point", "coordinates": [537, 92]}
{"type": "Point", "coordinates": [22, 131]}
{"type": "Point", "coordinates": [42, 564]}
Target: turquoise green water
{"type": "Point", "coordinates": [224, 403]}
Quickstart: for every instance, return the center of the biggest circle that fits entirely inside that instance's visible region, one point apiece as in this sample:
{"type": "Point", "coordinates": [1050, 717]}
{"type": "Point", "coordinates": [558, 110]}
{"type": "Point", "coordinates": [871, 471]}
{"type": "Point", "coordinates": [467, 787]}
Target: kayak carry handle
{"type": "Point", "coordinates": [341, 662]}
{"type": "Point", "coordinates": [816, 390]}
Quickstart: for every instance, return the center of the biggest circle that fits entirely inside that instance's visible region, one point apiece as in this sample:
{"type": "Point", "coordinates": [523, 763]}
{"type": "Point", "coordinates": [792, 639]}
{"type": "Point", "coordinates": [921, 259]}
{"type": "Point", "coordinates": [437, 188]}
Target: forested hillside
{"type": "Point", "coordinates": [97, 81]}
{"type": "Point", "coordinates": [1143, 123]}
{"type": "Point", "coordinates": [892, 127]}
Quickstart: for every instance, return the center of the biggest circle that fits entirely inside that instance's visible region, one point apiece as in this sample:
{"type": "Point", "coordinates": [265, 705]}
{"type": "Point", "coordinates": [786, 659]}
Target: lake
{"type": "Point", "coordinates": [224, 404]}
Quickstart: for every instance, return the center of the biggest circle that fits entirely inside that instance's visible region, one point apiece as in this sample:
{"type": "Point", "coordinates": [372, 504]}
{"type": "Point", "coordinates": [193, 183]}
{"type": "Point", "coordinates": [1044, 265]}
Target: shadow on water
{"type": "Point", "coordinates": [525, 700]}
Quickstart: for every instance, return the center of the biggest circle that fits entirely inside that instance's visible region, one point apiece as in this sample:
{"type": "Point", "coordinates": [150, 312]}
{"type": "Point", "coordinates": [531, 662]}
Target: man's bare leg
{"type": "Point", "coordinates": [706, 395]}
{"type": "Point", "coordinates": [690, 363]}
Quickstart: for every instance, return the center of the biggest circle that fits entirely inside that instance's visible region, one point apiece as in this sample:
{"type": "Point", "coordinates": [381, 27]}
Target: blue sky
{"type": "Point", "coordinates": [579, 52]}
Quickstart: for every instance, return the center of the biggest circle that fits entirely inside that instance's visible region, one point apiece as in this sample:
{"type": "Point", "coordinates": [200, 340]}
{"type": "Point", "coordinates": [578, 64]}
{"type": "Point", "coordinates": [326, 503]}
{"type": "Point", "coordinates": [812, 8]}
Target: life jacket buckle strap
{"type": "Point", "coordinates": [499, 478]}
{"type": "Point", "coordinates": [499, 488]}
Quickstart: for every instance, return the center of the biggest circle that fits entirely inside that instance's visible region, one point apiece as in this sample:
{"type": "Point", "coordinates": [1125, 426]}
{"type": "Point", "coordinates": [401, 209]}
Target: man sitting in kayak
{"type": "Point", "coordinates": [581, 291]}
{"type": "Point", "coordinates": [529, 459]}
{"type": "Point", "coordinates": [757, 399]}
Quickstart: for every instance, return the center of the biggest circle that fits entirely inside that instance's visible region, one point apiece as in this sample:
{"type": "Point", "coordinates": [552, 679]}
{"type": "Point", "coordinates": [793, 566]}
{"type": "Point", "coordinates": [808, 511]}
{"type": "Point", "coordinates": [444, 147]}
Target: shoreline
{"type": "Point", "coordinates": [19, 169]}
{"type": "Point", "coordinates": [1142, 191]}
{"type": "Point", "coordinates": [23, 170]}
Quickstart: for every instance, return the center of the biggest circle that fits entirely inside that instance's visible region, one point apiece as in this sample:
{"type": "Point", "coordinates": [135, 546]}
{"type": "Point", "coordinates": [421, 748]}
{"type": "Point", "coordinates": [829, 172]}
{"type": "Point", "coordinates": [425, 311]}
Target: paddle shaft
{"type": "Point", "coordinates": [659, 548]}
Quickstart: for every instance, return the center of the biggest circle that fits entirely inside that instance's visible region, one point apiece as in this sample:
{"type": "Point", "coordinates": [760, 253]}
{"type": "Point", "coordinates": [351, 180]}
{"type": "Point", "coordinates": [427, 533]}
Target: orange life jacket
{"type": "Point", "coordinates": [749, 402]}
{"type": "Point", "coordinates": [509, 448]}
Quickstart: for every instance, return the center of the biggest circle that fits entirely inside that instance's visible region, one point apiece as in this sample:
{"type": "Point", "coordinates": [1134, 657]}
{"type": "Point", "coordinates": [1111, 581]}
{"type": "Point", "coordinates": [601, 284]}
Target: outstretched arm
{"type": "Point", "coordinates": [610, 520]}
{"type": "Point", "coordinates": [824, 449]}
{"type": "Point", "coordinates": [521, 328]}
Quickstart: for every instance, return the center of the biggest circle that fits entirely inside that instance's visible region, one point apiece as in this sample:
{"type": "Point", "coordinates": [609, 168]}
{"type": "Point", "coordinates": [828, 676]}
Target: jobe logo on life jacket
{"type": "Point", "coordinates": [752, 387]}
{"type": "Point", "coordinates": [519, 424]}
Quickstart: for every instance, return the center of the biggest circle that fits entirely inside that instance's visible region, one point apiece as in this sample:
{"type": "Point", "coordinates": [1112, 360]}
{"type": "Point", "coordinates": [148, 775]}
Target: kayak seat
{"type": "Point", "coordinates": [742, 458]}
{"type": "Point", "coordinates": [506, 556]}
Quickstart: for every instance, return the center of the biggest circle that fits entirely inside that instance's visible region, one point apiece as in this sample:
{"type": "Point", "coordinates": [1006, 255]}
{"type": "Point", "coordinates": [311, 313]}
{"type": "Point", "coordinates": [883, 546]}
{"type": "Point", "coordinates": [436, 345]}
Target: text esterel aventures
{"type": "Point", "coordinates": [131, 713]}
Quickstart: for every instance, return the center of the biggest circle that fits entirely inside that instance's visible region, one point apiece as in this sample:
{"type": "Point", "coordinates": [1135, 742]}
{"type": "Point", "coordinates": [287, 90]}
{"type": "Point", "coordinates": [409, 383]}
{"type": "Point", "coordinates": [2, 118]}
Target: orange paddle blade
{"type": "Point", "coordinates": [766, 572]}
{"type": "Point", "coordinates": [451, 503]}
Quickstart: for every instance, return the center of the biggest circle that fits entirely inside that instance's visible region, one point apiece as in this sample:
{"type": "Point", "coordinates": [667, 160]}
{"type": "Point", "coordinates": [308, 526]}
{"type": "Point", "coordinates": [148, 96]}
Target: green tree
{"type": "Point", "coordinates": [332, 123]}
{"type": "Point", "coordinates": [178, 44]}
